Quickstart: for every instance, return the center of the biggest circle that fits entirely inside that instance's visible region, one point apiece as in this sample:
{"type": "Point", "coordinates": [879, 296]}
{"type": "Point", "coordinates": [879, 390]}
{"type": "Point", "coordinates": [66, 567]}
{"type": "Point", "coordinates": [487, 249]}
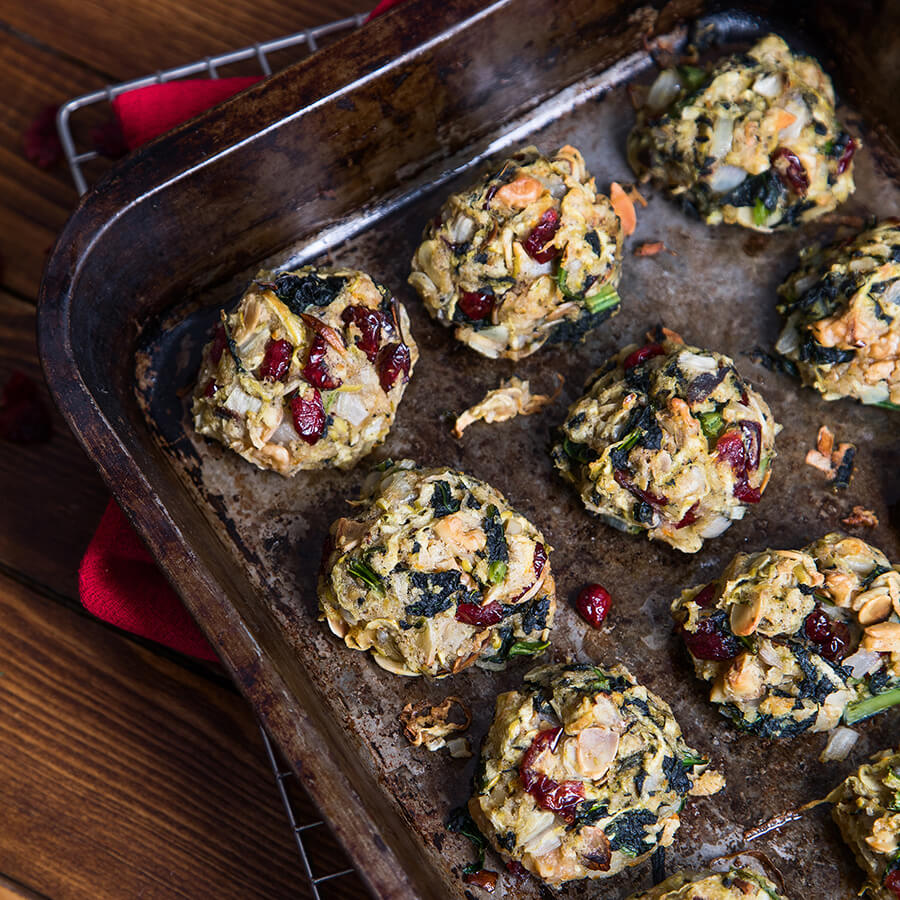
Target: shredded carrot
{"type": "Point", "coordinates": [650, 249]}
{"type": "Point", "coordinates": [784, 119]}
{"type": "Point", "coordinates": [520, 193]}
{"type": "Point", "coordinates": [623, 207]}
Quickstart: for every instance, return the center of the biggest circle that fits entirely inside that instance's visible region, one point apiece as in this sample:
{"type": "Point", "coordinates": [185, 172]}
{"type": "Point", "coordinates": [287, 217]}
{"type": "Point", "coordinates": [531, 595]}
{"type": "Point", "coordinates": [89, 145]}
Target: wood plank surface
{"type": "Point", "coordinates": [132, 776]}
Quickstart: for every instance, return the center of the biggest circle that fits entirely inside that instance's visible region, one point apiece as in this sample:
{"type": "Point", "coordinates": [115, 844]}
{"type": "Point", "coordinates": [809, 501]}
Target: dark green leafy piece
{"type": "Point", "coordinates": [298, 292]}
{"type": "Point", "coordinates": [442, 500]}
{"type": "Point", "coordinates": [496, 546]}
{"type": "Point", "coordinates": [438, 591]}
{"type": "Point", "coordinates": [360, 569]}
{"type": "Point", "coordinates": [460, 822]}
{"type": "Point", "coordinates": [712, 423]}
{"type": "Point", "coordinates": [626, 832]}
{"type": "Point", "coordinates": [676, 775]}
{"type": "Point", "coordinates": [590, 812]}
{"type": "Point", "coordinates": [527, 648]}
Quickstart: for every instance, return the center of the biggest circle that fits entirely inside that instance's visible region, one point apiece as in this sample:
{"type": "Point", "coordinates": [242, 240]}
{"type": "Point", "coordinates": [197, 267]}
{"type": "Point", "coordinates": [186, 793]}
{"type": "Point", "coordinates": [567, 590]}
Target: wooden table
{"type": "Point", "coordinates": [126, 770]}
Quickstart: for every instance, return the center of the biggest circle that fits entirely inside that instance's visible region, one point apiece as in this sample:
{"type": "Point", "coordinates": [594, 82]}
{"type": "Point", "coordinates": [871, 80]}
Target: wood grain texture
{"type": "Point", "coordinates": [121, 775]}
{"type": "Point", "coordinates": [127, 40]}
{"type": "Point", "coordinates": [52, 495]}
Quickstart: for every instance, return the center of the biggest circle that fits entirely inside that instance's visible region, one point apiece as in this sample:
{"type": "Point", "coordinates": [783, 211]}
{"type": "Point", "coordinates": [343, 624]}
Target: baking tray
{"type": "Point", "coordinates": [343, 158]}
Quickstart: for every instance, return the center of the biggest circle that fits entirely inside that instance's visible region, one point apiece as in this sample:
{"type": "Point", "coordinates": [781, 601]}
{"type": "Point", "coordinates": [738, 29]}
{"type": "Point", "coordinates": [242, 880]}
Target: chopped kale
{"type": "Point", "coordinates": [472, 502]}
{"type": "Point", "coordinates": [765, 189]}
{"type": "Point", "coordinates": [438, 590]}
{"type": "Point", "coordinates": [815, 352]}
{"type": "Point", "coordinates": [642, 512]}
{"type": "Point", "coordinates": [773, 362]}
{"type": "Point", "coordinates": [527, 648]}
{"type": "Point", "coordinates": [579, 452]}
{"type": "Point", "coordinates": [626, 832]}
{"type": "Point", "coordinates": [676, 775]}
{"type": "Point", "coordinates": [535, 617]}
{"type": "Point", "coordinates": [703, 385]}
{"type": "Point", "coordinates": [593, 241]}
{"type": "Point", "coordinates": [572, 331]}
{"type": "Point", "coordinates": [298, 292]}
{"type": "Point", "coordinates": [768, 726]}
{"type": "Point", "coordinates": [442, 500]}
{"type": "Point", "coordinates": [638, 703]}
{"type": "Point", "coordinates": [496, 547]}
{"type": "Point", "coordinates": [460, 822]}
{"type": "Point", "coordinates": [589, 812]}
{"type": "Point", "coordinates": [507, 841]}
{"type": "Point", "coordinates": [643, 421]}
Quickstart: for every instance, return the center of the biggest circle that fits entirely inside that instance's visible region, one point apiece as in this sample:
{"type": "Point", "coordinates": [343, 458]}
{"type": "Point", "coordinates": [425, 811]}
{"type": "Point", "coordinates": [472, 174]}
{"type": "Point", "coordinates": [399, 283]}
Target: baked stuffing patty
{"type": "Point", "coordinates": [734, 884]}
{"type": "Point", "coordinates": [530, 253]}
{"type": "Point", "coordinates": [754, 141]}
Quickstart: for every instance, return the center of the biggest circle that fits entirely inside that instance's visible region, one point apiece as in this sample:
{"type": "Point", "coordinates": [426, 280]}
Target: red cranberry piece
{"type": "Point", "coordinates": [709, 641]}
{"type": "Point", "coordinates": [392, 362]}
{"type": "Point", "coordinates": [817, 626]}
{"type": "Point", "coordinates": [707, 596]}
{"type": "Point", "coordinates": [476, 305]}
{"type": "Point", "coordinates": [892, 882]}
{"type": "Point", "coordinates": [535, 244]}
{"type": "Point", "coordinates": [369, 322]}
{"type": "Point", "coordinates": [24, 417]}
{"type": "Point", "coordinates": [514, 867]}
{"type": "Point", "coordinates": [316, 369]}
{"type": "Point", "coordinates": [745, 493]}
{"type": "Point", "coordinates": [562, 799]}
{"type": "Point", "coordinates": [689, 517]}
{"type": "Point", "coordinates": [483, 878]}
{"type": "Point", "coordinates": [642, 355]}
{"type": "Point", "coordinates": [835, 648]}
{"type": "Point", "coordinates": [218, 344]}
{"type": "Point", "coordinates": [480, 616]}
{"type": "Point", "coordinates": [593, 604]}
{"type": "Point", "coordinates": [309, 417]}
{"type": "Point", "coordinates": [730, 446]}
{"type": "Point", "coordinates": [276, 361]}
{"type": "Point", "coordinates": [790, 170]}
{"type": "Point", "coordinates": [846, 156]}
{"type": "Point", "coordinates": [624, 481]}
{"type": "Point", "coordinates": [540, 559]}
{"type": "Point", "coordinates": [210, 389]}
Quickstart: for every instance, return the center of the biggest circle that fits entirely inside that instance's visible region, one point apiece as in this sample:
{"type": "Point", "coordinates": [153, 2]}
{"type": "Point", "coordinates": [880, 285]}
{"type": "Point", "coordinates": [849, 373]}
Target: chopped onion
{"type": "Point", "coordinates": [544, 837]}
{"type": "Point", "coordinates": [285, 432]}
{"type": "Point", "coordinates": [768, 85]}
{"type": "Point", "coordinates": [490, 341]}
{"type": "Point", "coordinates": [461, 229]}
{"type": "Point", "coordinates": [715, 527]}
{"type": "Point", "coordinates": [862, 663]}
{"type": "Point", "coordinates": [695, 364]}
{"type": "Point", "coordinates": [801, 112]}
{"type": "Point", "coordinates": [768, 655]}
{"type": "Point", "coordinates": [722, 135]}
{"type": "Point", "coordinates": [350, 406]}
{"type": "Point", "coordinates": [240, 402]}
{"type": "Point", "coordinates": [726, 178]}
{"type": "Point", "coordinates": [788, 341]}
{"type": "Point", "coordinates": [736, 513]}
{"type": "Point", "coordinates": [839, 745]}
{"type": "Point", "coordinates": [459, 748]}
{"type": "Point", "coordinates": [874, 393]}
{"type": "Point", "coordinates": [664, 90]}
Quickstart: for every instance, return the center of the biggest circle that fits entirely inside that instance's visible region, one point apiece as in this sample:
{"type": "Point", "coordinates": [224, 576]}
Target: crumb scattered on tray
{"type": "Point", "coordinates": [861, 518]}
{"type": "Point", "coordinates": [430, 726]}
{"type": "Point", "coordinates": [513, 398]}
{"type": "Point", "coordinates": [651, 248]}
{"type": "Point", "coordinates": [835, 464]}
{"type": "Point", "coordinates": [635, 195]}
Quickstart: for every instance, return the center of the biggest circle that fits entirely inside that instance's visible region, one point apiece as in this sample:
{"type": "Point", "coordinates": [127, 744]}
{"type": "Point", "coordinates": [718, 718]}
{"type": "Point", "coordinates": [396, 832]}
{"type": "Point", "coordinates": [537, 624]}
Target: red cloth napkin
{"type": "Point", "coordinates": [118, 580]}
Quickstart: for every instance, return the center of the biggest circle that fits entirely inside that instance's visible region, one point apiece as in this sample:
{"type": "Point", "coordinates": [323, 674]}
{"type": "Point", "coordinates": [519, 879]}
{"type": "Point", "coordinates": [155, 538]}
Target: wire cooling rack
{"type": "Point", "coordinates": [316, 845]}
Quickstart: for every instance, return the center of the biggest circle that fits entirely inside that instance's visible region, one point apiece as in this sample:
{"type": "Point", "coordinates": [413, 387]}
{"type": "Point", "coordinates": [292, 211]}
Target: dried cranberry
{"type": "Point", "coordinates": [706, 597]}
{"type": "Point", "coordinates": [309, 417]}
{"type": "Point", "coordinates": [846, 156]}
{"type": "Point", "coordinates": [642, 355]}
{"type": "Point", "coordinates": [218, 344]}
{"type": "Point", "coordinates": [369, 322]}
{"type": "Point", "coordinates": [817, 626]}
{"type": "Point", "coordinates": [514, 867]}
{"type": "Point", "coordinates": [539, 559]}
{"type": "Point", "coordinates": [210, 389]}
{"type": "Point", "coordinates": [535, 245]}
{"type": "Point", "coordinates": [392, 362]}
{"type": "Point", "coordinates": [744, 492]}
{"type": "Point", "coordinates": [560, 798]}
{"type": "Point", "coordinates": [476, 305]}
{"type": "Point", "coordinates": [24, 417]}
{"type": "Point", "coordinates": [731, 447]}
{"type": "Point", "coordinates": [276, 361]}
{"type": "Point", "coordinates": [710, 641]}
{"type": "Point", "coordinates": [42, 144]}
{"type": "Point", "coordinates": [593, 604]}
{"type": "Point", "coordinates": [892, 882]}
{"type": "Point", "coordinates": [689, 517]}
{"type": "Point", "coordinates": [790, 170]}
{"type": "Point", "coordinates": [316, 370]}
{"type": "Point", "coordinates": [835, 648]}
{"type": "Point", "coordinates": [480, 616]}
{"type": "Point", "coordinates": [483, 878]}
{"type": "Point", "coordinates": [624, 481]}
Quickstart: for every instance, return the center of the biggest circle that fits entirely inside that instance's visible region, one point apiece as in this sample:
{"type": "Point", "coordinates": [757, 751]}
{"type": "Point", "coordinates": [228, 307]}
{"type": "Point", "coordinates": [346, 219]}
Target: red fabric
{"type": "Point", "coordinates": [118, 581]}
{"type": "Point", "coordinates": [151, 111]}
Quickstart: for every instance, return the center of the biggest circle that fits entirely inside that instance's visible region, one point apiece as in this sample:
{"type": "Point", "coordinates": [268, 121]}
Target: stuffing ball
{"type": "Point", "coordinates": [670, 440]}
{"type": "Point", "coordinates": [796, 640]}
{"type": "Point", "coordinates": [307, 372]}
{"type": "Point", "coordinates": [843, 317]}
{"type": "Point", "coordinates": [868, 814]}
{"type": "Point", "coordinates": [529, 254]}
{"type": "Point", "coordinates": [733, 884]}
{"type": "Point", "coordinates": [435, 571]}
{"type": "Point", "coordinates": [753, 142]}
{"type": "Point", "coordinates": [584, 772]}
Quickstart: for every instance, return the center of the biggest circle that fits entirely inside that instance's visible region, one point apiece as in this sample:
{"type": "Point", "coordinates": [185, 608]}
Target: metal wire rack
{"type": "Point", "coordinates": [208, 67]}
{"type": "Point", "coordinates": [308, 39]}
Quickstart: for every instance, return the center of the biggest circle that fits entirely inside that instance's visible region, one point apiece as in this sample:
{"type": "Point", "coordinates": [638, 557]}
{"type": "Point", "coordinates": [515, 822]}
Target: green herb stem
{"type": "Point", "coordinates": [712, 423]}
{"type": "Point", "coordinates": [605, 298]}
{"type": "Point", "coordinates": [497, 571]}
{"type": "Point", "coordinates": [528, 648]}
{"type": "Point", "coordinates": [367, 575]}
{"type": "Point", "coordinates": [863, 709]}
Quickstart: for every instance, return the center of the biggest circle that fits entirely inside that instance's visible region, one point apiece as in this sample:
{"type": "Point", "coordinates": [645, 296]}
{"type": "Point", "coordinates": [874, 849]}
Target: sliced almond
{"type": "Point", "coordinates": [596, 749]}
{"type": "Point", "coordinates": [875, 609]}
{"type": "Point", "coordinates": [744, 678]}
{"type": "Point", "coordinates": [882, 638]}
{"type": "Point", "coordinates": [746, 616]}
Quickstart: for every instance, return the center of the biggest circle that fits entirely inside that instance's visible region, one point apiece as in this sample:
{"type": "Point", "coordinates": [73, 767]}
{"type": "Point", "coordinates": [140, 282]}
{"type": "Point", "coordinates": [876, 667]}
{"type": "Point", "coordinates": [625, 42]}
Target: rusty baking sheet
{"type": "Point", "coordinates": [243, 546]}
